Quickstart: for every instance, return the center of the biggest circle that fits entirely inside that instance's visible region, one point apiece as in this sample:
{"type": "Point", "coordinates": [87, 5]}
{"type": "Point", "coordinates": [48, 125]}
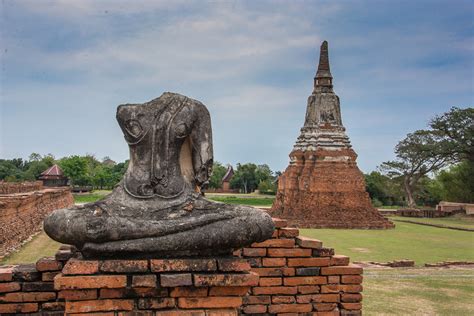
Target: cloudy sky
{"type": "Point", "coordinates": [66, 65]}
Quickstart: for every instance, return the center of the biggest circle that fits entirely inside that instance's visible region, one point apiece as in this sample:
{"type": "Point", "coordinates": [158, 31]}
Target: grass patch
{"type": "Point", "coordinates": [455, 221]}
{"type": "Point", "coordinates": [424, 244]}
{"type": "Point", "coordinates": [90, 197]}
{"type": "Point", "coordinates": [252, 201]}
{"type": "Point", "coordinates": [418, 292]}
{"type": "Point", "coordinates": [40, 246]}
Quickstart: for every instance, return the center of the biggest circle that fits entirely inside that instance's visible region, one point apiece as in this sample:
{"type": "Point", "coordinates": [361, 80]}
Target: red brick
{"type": "Point", "coordinates": [221, 312]}
{"type": "Point", "coordinates": [275, 243]}
{"type": "Point", "coordinates": [250, 300]}
{"type": "Point", "coordinates": [274, 271]}
{"type": "Point", "coordinates": [188, 291]}
{"type": "Point", "coordinates": [77, 295]}
{"type": "Point", "coordinates": [237, 253]}
{"type": "Point", "coordinates": [53, 306]}
{"type": "Point", "coordinates": [180, 313]}
{"type": "Point", "coordinates": [233, 265]}
{"type": "Point", "coordinates": [133, 313]}
{"type": "Point", "coordinates": [124, 266]}
{"type": "Point", "coordinates": [290, 308]}
{"type": "Point", "coordinates": [275, 233]}
{"type": "Point", "coordinates": [254, 252]}
{"type": "Point", "coordinates": [148, 280]}
{"type": "Point", "coordinates": [318, 298]}
{"type": "Point", "coordinates": [336, 288]}
{"type": "Point", "coordinates": [351, 279]}
{"type": "Point", "coordinates": [345, 312]}
{"type": "Point", "coordinates": [323, 252]}
{"type": "Point", "coordinates": [288, 232]}
{"type": "Point", "coordinates": [339, 260]}
{"type": "Point", "coordinates": [228, 290]}
{"type": "Point", "coordinates": [270, 281]}
{"type": "Point", "coordinates": [283, 299]}
{"type": "Point", "coordinates": [156, 303]}
{"type": "Point", "coordinates": [9, 287]}
{"type": "Point", "coordinates": [28, 297]}
{"type": "Point", "coordinates": [99, 306]}
{"type": "Point", "coordinates": [149, 292]}
{"type": "Point", "coordinates": [209, 302]}
{"type": "Point", "coordinates": [334, 279]}
{"type": "Point", "coordinates": [246, 279]}
{"type": "Point", "coordinates": [352, 306]}
{"type": "Point", "coordinates": [37, 287]}
{"type": "Point", "coordinates": [308, 262]}
{"type": "Point", "coordinates": [6, 273]}
{"type": "Point", "coordinates": [18, 308]}
{"type": "Point", "coordinates": [286, 252]}
{"type": "Point", "coordinates": [255, 262]}
{"type": "Point", "coordinates": [306, 242]}
{"type": "Point", "coordinates": [74, 267]}
{"type": "Point", "coordinates": [48, 264]}
{"type": "Point", "coordinates": [351, 297]}
{"type": "Point", "coordinates": [177, 265]}
{"type": "Point", "coordinates": [113, 293]}
{"type": "Point", "coordinates": [268, 290]}
{"type": "Point", "coordinates": [324, 307]}
{"type": "Point", "coordinates": [335, 270]}
{"type": "Point", "coordinates": [255, 309]}
{"type": "Point", "coordinates": [306, 280]}
{"type": "Point", "coordinates": [49, 276]}
{"type": "Point", "coordinates": [279, 223]}
{"type": "Point", "coordinates": [90, 282]}
{"type": "Point", "coordinates": [173, 280]}
{"type": "Point", "coordinates": [273, 262]}
{"type": "Point", "coordinates": [308, 289]}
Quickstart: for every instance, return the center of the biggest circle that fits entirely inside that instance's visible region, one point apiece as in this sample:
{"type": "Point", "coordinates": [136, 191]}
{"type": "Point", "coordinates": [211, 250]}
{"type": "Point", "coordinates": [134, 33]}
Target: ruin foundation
{"type": "Point", "coordinates": [284, 275]}
{"type": "Point", "coordinates": [21, 214]}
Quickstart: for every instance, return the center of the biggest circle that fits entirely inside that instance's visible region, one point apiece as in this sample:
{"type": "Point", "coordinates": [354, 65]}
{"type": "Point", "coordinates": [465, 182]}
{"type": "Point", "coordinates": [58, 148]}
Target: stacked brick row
{"type": "Point", "coordinates": [201, 286]}
{"type": "Point", "coordinates": [20, 187]}
{"type": "Point", "coordinates": [298, 276]}
{"type": "Point", "coordinates": [29, 288]}
{"type": "Point", "coordinates": [21, 215]}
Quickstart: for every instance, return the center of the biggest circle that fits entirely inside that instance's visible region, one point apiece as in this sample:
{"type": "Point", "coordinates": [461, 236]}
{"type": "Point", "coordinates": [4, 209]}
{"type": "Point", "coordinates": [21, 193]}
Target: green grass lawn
{"type": "Point", "coordinates": [90, 197]}
{"type": "Point", "coordinates": [424, 244]}
{"type": "Point", "coordinates": [455, 221]}
{"type": "Point", "coordinates": [418, 291]}
{"type": "Point", "coordinates": [40, 246]}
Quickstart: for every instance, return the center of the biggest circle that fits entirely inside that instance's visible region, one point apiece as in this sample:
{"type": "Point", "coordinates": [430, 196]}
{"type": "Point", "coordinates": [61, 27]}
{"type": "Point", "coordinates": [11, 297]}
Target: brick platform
{"type": "Point", "coordinates": [284, 275]}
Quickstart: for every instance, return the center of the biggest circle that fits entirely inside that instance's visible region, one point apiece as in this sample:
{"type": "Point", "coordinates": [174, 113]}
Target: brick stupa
{"type": "Point", "coordinates": [322, 186]}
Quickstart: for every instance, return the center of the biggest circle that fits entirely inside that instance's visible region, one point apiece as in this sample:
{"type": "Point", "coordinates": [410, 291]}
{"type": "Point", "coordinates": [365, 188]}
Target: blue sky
{"type": "Point", "coordinates": [66, 65]}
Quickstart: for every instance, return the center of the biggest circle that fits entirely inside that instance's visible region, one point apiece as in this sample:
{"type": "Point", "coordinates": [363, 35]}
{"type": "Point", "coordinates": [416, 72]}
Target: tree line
{"type": "Point", "coordinates": [433, 164]}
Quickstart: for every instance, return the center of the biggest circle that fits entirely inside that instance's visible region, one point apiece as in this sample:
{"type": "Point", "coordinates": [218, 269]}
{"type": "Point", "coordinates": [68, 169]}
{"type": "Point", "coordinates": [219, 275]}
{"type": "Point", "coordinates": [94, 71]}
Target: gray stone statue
{"type": "Point", "coordinates": [158, 210]}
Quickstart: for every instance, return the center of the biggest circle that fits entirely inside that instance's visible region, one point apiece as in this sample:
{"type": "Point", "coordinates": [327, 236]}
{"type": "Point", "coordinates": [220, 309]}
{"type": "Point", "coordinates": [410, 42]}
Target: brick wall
{"type": "Point", "coordinates": [20, 187]}
{"type": "Point", "coordinates": [21, 214]}
{"type": "Point", "coordinates": [284, 275]}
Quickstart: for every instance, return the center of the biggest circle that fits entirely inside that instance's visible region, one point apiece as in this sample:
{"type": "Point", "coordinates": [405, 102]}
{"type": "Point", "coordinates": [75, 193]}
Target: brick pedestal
{"type": "Point", "coordinates": [285, 275]}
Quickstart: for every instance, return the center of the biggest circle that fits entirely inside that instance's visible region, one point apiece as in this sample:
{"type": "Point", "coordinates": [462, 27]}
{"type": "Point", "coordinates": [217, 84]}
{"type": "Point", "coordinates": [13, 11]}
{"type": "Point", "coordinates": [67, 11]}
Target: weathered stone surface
{"type": "Point", "coordinates": [322, 186]}
{"type": "Point", "coordinates": [157, 210]}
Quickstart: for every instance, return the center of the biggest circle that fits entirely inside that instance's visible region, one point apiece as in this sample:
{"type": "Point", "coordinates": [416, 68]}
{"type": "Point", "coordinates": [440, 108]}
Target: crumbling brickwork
{"type": "Point", "coordinates": [20, 187]}
{"type": "Point", "coordinates": [285, 275]}
{"type": "Point", "coordinates": [21, 214]}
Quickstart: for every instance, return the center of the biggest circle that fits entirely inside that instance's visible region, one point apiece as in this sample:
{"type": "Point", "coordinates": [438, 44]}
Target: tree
{"type": "Point", "coordinates": [75, 167]}
{"type": "Point", "coordinates": [419, 154]}
{"type": "Point", "coordinates": [456, 129]}
{"type": "Point", "coordinates": [456, 184]}
{"type": "Point", "coordinates": [218, 172]}
{"type": "Point", "coordinates": [244, 177]}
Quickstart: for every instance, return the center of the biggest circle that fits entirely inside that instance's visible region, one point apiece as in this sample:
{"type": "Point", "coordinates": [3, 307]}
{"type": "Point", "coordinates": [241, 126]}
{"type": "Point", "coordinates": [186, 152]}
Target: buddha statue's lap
{"type": "Point", "coordinates": [157, 209]}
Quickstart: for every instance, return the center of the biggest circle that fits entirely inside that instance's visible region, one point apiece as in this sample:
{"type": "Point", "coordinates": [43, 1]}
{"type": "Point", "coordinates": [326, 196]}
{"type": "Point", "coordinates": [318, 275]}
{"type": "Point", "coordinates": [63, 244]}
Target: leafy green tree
{"type": "Point", "coordinates": [218, 172]}
{"type": "Point", "coordinates": [456, 184]}
{"type": "Point", "coordinates": [76, 168]}
{"type": "Point", "coordinates": [419, 154]}
{"type": "Point", "coordinates": [244, 178]}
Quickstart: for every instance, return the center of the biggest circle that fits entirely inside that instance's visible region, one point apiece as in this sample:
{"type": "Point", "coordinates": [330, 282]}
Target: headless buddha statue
{"type": "Point", "coordinates": [158, 210]}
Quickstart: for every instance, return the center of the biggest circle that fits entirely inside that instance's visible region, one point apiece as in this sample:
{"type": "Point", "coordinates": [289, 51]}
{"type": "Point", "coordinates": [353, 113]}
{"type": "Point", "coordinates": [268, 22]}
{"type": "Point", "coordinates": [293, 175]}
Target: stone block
{"type": "Point", "coordinates": [178, 265]}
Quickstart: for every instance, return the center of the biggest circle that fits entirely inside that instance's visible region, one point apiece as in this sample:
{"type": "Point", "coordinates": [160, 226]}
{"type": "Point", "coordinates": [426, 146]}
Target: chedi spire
{"type": "Point", "coordinates": [323, 79]}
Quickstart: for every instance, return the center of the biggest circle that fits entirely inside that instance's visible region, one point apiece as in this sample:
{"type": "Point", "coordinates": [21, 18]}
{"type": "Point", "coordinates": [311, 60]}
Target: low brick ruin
{"type": "Point", "coordinates": [22, 211]}
{"type": "Point", "coordinates": [322, 187]}
{"type": "Point", "coordinates": [284, 275]}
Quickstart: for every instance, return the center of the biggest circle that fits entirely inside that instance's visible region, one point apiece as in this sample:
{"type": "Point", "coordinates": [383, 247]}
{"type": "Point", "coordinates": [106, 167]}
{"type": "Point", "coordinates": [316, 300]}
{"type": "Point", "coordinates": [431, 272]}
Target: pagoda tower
{"type": "Point", "coordinates": [322, 187]}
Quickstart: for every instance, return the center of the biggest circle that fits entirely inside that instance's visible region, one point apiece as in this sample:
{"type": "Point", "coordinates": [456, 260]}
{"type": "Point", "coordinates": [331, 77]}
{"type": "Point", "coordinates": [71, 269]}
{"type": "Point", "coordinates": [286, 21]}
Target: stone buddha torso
{"type": "Point", "coordinates": [158, 209]}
